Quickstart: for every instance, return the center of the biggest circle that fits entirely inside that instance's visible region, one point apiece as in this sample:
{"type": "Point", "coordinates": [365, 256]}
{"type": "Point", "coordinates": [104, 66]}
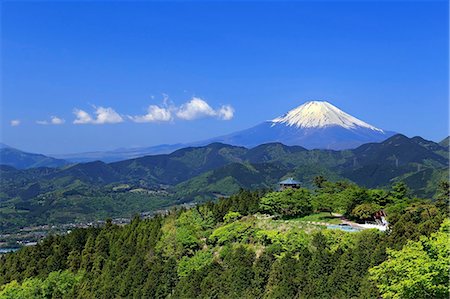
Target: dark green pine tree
{"type": "Point", "coordinates": [238, 271]}
{"type": "Point", "coordinates": [190, 286]}
{"type": "Point", "coordinates": [212, 285]}
{"type": "Point", "coordinates": [304, 258]}
{"type": "Point", "coordinates": [74, 260]}
{"type": "Point", "coordinates": [261, 271]}
{"type": "Point", "coordinates": [87, 255]}
{"type": "Point", "coordinates": [443, 198]}
{"type": "Point", "coordinates": [343, 275]}
{"type": "Point", "coordinates": [283, 282]}
{"type": "Point", "coordinates": [168, 279]}
{"type": "Point", "coordinates": [319, 269]}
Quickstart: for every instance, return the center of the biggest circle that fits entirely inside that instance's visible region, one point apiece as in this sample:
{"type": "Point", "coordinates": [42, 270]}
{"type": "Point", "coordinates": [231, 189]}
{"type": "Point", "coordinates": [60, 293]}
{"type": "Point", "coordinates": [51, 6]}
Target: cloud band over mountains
{"type": "Point", "coordinates": [195, 108]}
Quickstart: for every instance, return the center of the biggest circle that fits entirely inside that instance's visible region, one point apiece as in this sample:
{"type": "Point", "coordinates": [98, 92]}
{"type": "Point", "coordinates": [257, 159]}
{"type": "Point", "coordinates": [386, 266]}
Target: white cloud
{"type": "Point", "coordinates": [226, 112]}
{"type": "Point", "coordinates": [107, 116]}
{"type": "Point", "coordinates": [103, 116]}
{"type": "Point", "coordinates": [15, 122]}
{"type": "Point", "coordinates": [54, 120]}
{"type": "Point", "coordinates": [154, 114]}
{"type": "Point", "coordinates": [82, 117]}
{"type": "Point", "coordinates": [198, 108]}
{"type": "Point", "coordinates": [195, 108]}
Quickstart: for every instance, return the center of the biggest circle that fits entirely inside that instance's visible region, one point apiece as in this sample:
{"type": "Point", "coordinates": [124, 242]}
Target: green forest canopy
{"type": "Point", "coordinates": [228, 249]}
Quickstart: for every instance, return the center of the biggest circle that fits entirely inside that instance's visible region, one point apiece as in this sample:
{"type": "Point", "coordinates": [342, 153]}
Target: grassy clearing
{"type": "Point", "coordinates": [319, 217]}
{"type": "Point", "coordinates": [283, 226]}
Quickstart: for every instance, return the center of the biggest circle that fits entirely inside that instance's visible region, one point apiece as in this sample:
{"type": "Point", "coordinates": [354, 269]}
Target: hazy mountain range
{"type": "Point", "coordinates": [19, 159]}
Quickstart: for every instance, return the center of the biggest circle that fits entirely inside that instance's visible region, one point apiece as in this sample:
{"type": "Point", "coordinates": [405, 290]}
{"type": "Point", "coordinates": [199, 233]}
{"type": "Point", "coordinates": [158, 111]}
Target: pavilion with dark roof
{"type": "Point", "coordinates": [289, 183]}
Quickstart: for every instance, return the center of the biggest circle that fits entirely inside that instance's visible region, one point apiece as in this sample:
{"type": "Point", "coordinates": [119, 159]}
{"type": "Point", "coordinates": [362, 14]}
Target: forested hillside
{"type": "Point", "coordinates": [255, 244]}
{"type": "Point", "coordinates": [89, 191]}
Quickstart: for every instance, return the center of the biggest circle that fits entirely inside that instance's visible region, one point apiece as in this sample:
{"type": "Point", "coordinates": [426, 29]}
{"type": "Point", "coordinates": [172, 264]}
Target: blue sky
{"type": "Point", "coordinates": [170, 72]}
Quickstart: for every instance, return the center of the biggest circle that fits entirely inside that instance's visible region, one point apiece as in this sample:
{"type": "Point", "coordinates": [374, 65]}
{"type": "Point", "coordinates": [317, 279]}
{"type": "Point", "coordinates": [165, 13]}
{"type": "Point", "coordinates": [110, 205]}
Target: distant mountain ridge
{"type": "Point", "coordinates": [313, 125]}
{"type": "Point", "coordinates": [370, 165]}
{"type": "Point", "coordinates": [22, 160]}
{"type": "Point", "coordinates": [194, 174]}
{"type": "Point", "coordinates": [445, 142]}
{"type": "Point", "coordinates": [119, 154]}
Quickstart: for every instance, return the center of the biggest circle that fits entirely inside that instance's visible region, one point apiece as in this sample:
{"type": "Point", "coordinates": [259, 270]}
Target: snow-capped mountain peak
{"type": "Point", "coordinates": [320, 114]}
{"type": "Point", "coordinates": [313, 125]}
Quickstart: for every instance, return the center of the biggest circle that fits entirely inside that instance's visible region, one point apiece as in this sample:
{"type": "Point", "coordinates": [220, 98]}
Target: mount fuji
{"type": "Point", "coordinates": [313, 125]}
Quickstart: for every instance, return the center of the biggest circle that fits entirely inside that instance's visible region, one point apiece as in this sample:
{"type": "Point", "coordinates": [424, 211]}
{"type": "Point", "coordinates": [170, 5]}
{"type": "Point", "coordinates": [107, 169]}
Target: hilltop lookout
{"type": "Point", "coordinates": [289, 183]}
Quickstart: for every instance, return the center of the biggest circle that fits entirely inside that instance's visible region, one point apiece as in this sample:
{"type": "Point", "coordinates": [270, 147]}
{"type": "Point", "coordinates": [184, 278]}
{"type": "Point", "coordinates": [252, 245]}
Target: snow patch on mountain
{"type": "Point", "coordinates": [320, 114]}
